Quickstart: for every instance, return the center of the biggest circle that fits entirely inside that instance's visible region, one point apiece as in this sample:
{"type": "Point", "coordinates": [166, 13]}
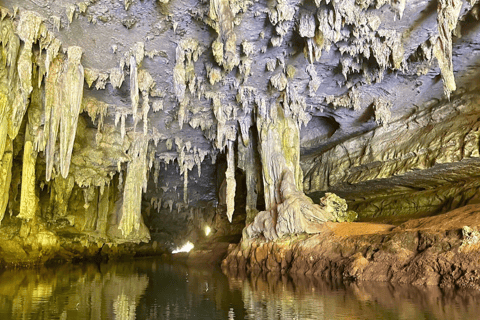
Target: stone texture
{"type": "Point", "coordinates": [428, 251]}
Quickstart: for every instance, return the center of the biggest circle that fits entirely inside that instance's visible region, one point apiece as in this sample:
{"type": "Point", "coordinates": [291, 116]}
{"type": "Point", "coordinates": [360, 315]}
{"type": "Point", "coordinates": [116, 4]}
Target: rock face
{"type": "Point", "coordinates": [146, 121]}
{"type": "Point", "coordinates": [428, 251]}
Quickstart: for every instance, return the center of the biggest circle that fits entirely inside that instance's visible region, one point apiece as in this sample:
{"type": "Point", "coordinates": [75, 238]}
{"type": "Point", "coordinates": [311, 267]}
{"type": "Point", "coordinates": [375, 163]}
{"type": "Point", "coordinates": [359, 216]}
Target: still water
{"type": "Point", "coordinates": [149, 289]}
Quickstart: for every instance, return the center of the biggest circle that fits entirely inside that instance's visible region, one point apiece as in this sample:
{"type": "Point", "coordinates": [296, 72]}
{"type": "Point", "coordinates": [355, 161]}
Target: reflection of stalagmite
{"type": "Point", "coordinates": [131, 289]}
{"type": "Point", "coordinates": [73, 94]}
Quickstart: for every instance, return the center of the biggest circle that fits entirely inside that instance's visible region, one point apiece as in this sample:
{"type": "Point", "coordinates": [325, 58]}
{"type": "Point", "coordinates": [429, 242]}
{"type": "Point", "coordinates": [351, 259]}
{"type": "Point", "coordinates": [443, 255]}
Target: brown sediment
{"type": "Point", "coordinates": [441, 250]}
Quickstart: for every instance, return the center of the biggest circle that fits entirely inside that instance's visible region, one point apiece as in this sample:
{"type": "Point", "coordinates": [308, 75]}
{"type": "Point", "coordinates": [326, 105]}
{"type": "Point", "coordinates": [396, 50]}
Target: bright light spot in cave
{"type": "Point", "coordinates": [185, 248]}
{"type": "Point", "coordinates": [207, 230]}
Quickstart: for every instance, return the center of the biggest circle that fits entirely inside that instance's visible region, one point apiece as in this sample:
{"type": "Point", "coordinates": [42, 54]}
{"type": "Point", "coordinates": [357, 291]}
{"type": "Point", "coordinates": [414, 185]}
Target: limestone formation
{"type": "Point", "coordinates": [106, 110]}
{"type": "Point", "coordinates": [131, 221]}
{"type": "Point", "coordinates": [72, 98]}
{"type": "Point", "coordinates": [296, 213]}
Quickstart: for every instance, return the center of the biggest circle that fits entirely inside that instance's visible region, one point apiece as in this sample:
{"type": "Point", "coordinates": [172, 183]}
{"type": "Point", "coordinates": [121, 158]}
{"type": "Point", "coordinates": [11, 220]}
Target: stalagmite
{"type": "Point", "coordinates": [61, 190]}
{"type": "Point", "coordinates": [29, 200]}
{"type": "Point", "coordinates": [288, 209]}
{"type": "Point", "coordinates": [131, 223]}
{"type": "Point", "coordinates": [230, 177]}
{"type": "Point", "coordinates": [249, 162]}
{"type": "Point", "coordinates": [279, 140]}
{"type": "Point", "coordinates": [5, 176]}
{"type": "Point", "coordinates": [104, 208]}
{"type": "Point", "coordinates": [91, 208]}
{"type": "Point", "coordinates": [72, 94]}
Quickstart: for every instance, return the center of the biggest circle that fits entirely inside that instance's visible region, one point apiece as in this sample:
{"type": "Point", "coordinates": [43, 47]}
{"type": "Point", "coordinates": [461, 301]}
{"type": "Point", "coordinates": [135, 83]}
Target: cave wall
{"type": "Point", "coordinates": [113, 114]}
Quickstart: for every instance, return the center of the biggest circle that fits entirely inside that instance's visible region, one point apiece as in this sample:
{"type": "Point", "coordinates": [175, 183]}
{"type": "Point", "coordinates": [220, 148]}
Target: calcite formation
{"type": "Point", "coordinates": [285, 108]}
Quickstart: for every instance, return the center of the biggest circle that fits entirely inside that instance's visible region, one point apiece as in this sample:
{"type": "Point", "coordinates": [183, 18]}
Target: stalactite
{"type": "Point", "coordinates": [28, 31]}
{"type": "Point", "coordinates": [117, 77]}
{"type": "Point", "coordinates": [122, 126]}
{"type": "Point", "coordinates": [145, 83]}
{"type": "Point", "coordinates": [134, 95]}
{"type": "Point", "coordinates": [230, 177]}
{"type": "Point", "coordinates": [3, 134]}
{"type": "Point", "coordinates": [224, 48]}
{"type": "Point", "coordinates": [448, 12]}
{"type": "Point", "coordinates": [73, 94]}
{"type": "Point", "coordinates": [53, 112]}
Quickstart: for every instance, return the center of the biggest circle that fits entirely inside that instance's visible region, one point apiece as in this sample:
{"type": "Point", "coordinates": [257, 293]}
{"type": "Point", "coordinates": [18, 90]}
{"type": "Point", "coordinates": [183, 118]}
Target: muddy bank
{"type": "Point", "coordinates": [442, 250]}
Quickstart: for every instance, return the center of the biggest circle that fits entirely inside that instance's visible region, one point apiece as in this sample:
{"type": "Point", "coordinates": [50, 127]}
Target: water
{"type": "Point", "coordinates": [149, 289]}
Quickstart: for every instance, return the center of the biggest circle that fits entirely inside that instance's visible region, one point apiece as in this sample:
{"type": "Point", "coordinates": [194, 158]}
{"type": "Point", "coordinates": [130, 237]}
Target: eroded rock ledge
{"type": "Point", "coordinates": [441, 250]}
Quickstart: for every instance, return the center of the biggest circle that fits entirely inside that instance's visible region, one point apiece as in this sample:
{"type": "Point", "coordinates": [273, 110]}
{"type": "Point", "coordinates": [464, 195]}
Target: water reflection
{"type": "Point", "coordinates": [90, 291]}
{"type": "Point", "coordinates": [274, 296]}
{"type": "Point", "coordinates": [148, 289]}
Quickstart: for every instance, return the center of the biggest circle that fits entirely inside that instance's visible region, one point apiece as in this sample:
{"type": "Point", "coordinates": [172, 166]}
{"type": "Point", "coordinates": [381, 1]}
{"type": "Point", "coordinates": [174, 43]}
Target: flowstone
{"type": "Point", "coordinates": [297, 213]}
{"type": "Point", "coordinates": [288, 209]}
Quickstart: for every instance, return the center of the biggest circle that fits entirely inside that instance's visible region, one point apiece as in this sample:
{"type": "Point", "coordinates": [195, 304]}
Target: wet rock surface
{"type": "Point", "coordinates": [431, 251]}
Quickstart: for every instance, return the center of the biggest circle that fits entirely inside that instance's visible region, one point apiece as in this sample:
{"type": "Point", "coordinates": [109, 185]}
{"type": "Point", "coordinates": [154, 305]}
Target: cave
{"type": "Point", "coordinates": [338, 139]}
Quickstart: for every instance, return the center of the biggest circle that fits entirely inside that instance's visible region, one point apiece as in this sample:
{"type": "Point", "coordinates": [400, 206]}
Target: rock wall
{"type": "Point", "coordinates": [430, 251]}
